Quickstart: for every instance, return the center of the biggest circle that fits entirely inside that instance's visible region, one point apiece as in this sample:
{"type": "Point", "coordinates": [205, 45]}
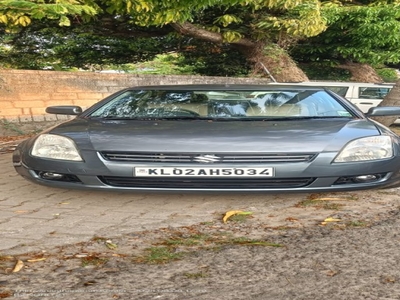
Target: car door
{"type": "Point", "coordinates": [369, 96]}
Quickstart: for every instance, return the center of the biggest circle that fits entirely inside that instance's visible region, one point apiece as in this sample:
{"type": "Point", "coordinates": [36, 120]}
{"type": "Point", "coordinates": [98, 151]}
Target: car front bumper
{"type": "Point", "coordinates": [316, 176]}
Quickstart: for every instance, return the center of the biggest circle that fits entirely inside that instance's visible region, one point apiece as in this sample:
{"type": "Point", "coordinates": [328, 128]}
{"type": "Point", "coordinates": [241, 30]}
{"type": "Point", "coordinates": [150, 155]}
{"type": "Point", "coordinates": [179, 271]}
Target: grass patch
{"type": "Point", "coordinates": [160, 255]}
{"type": "Point", "coordinates": [93, 260]}
{"type": "Point", "coordinates": [357, 223]}
{"type": "Point", "coordinates": [332, 206]}
{"type": "Point", "coordinates": [308, 203]}
{"type": "Point", "coordinates": [250, 242]}
{"type": "Point", "coordinates": [178, 246]}
{"type": "Point", "coordinates": [191, 240]}
{"type": "Point", "coordinates": [239, 218]}
{"type": "Point", "coordinates": [348, 224]}
{"type": "Point", "coordinates": [320, 204]}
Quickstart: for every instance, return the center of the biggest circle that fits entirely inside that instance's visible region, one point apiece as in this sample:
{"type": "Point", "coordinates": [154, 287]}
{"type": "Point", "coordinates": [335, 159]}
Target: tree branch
{"type": "Point", "coordinates": [189, 29]}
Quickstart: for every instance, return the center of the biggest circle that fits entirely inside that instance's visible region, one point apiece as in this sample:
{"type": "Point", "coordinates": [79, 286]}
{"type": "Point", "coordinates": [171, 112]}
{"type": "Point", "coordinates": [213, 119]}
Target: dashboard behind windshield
{"type": "Point", "coordinates": [253, 104]}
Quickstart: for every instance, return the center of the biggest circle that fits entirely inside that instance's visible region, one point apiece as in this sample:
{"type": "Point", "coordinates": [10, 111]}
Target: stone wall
{"type": "Point", "coordinates": [24, 94]}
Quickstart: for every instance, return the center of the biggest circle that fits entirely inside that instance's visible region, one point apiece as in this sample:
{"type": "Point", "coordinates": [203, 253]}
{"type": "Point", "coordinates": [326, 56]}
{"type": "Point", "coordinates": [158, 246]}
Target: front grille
{"type": "Point", "coordinates": [250, 158]}
{"type": "Point", "coordinates": [206, 183]}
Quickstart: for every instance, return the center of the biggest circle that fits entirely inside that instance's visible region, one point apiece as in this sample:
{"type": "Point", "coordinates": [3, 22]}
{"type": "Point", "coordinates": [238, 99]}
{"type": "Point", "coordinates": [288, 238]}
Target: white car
{"type": "Point", "coordinates": [363, 95]}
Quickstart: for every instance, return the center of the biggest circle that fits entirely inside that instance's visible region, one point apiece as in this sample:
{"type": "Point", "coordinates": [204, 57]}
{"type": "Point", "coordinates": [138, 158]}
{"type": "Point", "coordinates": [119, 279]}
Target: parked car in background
{"type": "Point", "coordinates": [220, 138]}
{"type": "Point", "coordinates": [364, 95]}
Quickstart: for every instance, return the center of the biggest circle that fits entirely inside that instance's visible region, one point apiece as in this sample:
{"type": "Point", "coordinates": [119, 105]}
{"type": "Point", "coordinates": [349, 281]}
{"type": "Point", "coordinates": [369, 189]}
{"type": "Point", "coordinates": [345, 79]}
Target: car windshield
{"type": "Point", "coordinates": [222, 105]}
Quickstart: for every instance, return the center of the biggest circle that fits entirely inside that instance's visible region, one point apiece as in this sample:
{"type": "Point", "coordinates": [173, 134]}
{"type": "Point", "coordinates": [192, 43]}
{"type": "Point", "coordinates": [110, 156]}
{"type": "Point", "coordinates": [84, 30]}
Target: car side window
{"type": "Point", "coordinates": [373, 92]}
{"type": "Point", "coordinates": [340, 90]}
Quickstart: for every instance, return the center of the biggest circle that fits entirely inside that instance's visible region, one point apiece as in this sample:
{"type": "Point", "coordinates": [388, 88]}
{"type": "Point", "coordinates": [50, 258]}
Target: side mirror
{"type": "Point", "coordinates": [383, 111]}
{"type": "Point", "coordinates": [64, 110]}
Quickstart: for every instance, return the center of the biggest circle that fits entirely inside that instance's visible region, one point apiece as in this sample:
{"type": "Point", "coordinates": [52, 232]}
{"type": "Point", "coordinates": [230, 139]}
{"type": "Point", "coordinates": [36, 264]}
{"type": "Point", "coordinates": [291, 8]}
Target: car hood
{"type": "Point", "coordinates": [312, 135]}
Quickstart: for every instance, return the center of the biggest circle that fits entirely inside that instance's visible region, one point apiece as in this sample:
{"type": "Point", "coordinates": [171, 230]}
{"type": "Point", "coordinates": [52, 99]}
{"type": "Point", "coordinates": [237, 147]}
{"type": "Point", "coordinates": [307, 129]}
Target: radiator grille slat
{"type": "Point", "coordinates": [206, 158]}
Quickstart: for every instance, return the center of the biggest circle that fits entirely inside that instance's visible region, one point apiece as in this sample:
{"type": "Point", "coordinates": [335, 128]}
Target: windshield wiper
{"type": "Point", "coordinates": [146, 118]}
{"type": "Point", "coordinates": [110, 118]}
{"type": "Point", "coordinates": [180, 118]}
{"type": "Point", "coordinates": [326, 117]}
{"type": "Point", "coordinates": [289, 118]}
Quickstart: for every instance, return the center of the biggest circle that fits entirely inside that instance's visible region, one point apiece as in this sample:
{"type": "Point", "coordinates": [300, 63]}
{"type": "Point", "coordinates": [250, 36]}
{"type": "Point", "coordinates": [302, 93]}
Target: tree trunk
{"type": "Point", "coordinates": [391, 99]}
{"type": "Point", "coordinates": [273, 61]}
{"type": "Point", "coordinates": [361, 72]}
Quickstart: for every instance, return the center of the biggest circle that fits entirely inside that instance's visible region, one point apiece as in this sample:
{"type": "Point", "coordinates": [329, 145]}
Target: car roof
{"type": "Point", "coordinates": [224, 87]}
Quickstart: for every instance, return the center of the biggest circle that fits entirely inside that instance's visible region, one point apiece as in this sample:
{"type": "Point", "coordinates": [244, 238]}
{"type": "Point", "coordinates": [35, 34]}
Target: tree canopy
{"type": "Point", "coordinates": [366, 34]}
{"type": "Point", "coordinates": [264, 31]}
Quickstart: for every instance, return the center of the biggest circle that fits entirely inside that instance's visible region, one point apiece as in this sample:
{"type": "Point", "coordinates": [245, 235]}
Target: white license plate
{"type": "Point", "coordinates": [202, 172]}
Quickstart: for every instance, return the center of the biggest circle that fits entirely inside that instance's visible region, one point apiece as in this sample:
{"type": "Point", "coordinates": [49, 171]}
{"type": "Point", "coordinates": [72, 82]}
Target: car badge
{"type": "Point", "coordinates": [207, 159]}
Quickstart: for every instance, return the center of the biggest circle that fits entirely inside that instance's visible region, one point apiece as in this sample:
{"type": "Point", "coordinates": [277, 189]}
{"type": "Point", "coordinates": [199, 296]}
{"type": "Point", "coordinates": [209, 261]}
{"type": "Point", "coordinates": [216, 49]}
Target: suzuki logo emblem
{"type": "Point", "coordinates": [207, 158]}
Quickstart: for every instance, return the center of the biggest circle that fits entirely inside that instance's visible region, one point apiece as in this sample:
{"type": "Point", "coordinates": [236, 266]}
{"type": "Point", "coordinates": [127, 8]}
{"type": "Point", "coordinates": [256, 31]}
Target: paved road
{"type": "Point", "coordinates": [34, 217]}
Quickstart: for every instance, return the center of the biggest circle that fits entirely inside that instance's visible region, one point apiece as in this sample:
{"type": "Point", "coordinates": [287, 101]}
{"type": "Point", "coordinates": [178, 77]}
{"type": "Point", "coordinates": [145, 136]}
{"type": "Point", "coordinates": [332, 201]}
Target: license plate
{"type": "Point", "coordinates": [202, 172]}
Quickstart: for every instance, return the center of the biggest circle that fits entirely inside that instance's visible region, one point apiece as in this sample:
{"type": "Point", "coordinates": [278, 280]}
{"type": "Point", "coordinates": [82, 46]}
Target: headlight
{"type": "Point", "coordinates": [369, 148]}
{"type": "Point", "coordinates": [55, 147]}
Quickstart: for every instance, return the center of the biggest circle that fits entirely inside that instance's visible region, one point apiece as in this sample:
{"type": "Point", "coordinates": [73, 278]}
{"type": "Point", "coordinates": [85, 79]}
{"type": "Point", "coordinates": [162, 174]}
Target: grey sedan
{"type": "Point", "coordinates": [248, 138]}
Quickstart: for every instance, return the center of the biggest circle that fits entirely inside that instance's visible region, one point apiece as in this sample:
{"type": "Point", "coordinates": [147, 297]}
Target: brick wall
{"type": "Point", "coordinates": [25, 94]}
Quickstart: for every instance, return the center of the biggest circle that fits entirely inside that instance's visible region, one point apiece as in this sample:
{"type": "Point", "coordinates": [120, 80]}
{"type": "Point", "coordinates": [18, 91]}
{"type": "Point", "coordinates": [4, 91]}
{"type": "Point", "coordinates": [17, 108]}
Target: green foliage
{"type": "Point", "coordinates": [387, 74]}
{"type": "Point", "coordinates": [20, 13]}
{"type": "Point", "coordinates": [72, 48]}
{"type": "Point", "coordinates": [295, 17]}
{"type": "Point", "coordinates": [214, 60]}
{"type": "Point", "coordinates": [122, 32]}
{"type": "Point", "coordinates": [359, 33]}
{"type": "Point", "coordinates": [60, 48]}
{"type": "Point", "coordinates": [188, 63]}
{"type": "Point", "coordinates": [162, 64]}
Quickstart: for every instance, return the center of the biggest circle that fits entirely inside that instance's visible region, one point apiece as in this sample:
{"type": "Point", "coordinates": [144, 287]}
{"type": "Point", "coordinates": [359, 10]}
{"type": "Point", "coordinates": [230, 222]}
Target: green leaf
{"type": "Point", "coordinates": [64, 21]}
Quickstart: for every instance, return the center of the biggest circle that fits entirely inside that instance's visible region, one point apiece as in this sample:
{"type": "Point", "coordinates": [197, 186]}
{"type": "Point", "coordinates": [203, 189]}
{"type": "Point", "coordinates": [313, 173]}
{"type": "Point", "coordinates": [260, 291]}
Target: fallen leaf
{"type": "Point", "coordinates": [330, 219]}
{"type": "Point", "coordinates": [81, 255]}
{"type": "Point", "coordinates": [330, 273]}
{"type": "Point", "coordinates": [36, 259]}
{"type": "Point", "coordinates": [234, 212]}
{"type": "Point", "coordinates": [18, 266]}
{"type": "Point", "coordinates": [110, 245]}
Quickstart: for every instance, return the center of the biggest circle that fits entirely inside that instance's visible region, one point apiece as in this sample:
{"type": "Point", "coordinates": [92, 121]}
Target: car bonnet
{"type": "Point", "coordinates": [315, 135]}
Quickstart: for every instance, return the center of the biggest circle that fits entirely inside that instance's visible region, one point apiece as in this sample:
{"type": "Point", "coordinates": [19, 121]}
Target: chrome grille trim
{"type": "Point", "coordinates": [144, 157]}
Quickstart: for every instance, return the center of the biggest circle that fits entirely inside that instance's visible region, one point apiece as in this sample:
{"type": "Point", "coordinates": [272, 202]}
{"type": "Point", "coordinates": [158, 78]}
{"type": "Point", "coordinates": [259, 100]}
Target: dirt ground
{"type": "Point", "coordinates": [324, 246]}
{"type": "Point", "coordinates": [336, 246]}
